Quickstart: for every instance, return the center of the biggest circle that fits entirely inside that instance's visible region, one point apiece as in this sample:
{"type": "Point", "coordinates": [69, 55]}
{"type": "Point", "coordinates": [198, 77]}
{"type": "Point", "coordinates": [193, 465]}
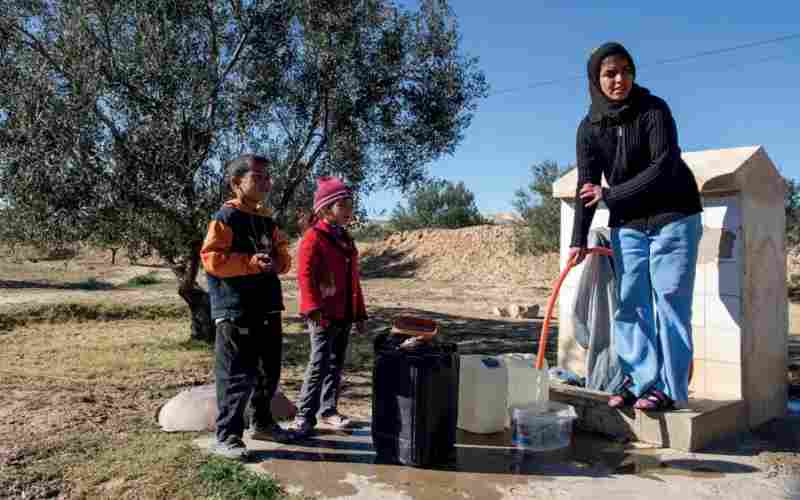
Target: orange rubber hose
{"type": "Point", "coordinates": [551, 301]}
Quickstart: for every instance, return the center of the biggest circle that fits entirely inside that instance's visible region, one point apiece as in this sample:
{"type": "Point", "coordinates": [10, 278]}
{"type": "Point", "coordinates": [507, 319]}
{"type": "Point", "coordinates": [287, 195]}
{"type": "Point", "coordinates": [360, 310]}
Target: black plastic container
{"type": "Point", "coordinates": [414, 402]}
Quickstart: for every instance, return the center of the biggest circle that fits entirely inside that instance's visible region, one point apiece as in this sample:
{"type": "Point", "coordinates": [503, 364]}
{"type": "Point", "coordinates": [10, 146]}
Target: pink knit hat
{"type": "Point", "coordinates": [329, 189]}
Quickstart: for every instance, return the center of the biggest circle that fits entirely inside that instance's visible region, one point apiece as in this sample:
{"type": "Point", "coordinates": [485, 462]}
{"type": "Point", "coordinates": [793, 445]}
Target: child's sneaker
{"type": "Point", "coordinates": [301, 428]}
{"type": "Point", "coordinates": [233, 447]}
{"type": "Point", "coordinates": [336, 420]}
{"type": "Point", "coordinates": [272, 432]}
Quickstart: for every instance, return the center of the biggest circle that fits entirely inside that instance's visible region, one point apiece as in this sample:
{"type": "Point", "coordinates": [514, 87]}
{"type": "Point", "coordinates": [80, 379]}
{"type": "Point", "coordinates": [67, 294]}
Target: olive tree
{"type": "Point", "coordinates": [121, 113]}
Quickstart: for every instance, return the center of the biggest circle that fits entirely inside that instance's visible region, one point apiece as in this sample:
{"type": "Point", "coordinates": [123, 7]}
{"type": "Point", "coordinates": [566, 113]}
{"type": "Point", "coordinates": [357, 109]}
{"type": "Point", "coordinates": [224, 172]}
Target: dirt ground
{"type": "Point", "coordinates": [78, 396]}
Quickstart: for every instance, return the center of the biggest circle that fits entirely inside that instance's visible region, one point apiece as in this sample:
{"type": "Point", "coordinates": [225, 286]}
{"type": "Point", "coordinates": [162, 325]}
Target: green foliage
{"type": "Point", "coordinates": [70, 311]}
{"type": "Point", "coordinates": [115, 117]}
{"type": "Point", "coordinates": [230, 480]}
{"type": "Point", "coordinates": [150, 278]}
{"type": "Point", "coordinates": [540, 211]}
{"type": "Point", "coordinates": [92, 284]}
{"type": "Point", "coordinates": [792, 204]}
{"type": "Point", "coordinates": [439, 203]}
{"type": "Point", "coordinates": [371, 231]}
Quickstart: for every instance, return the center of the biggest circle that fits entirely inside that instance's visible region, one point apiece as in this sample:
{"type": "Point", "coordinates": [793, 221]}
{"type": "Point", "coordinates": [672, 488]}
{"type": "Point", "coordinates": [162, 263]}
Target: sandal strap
{"type": "Point", "coordinates": [658, 396]}
{"type": "Point", "coordinates": [658, 399]}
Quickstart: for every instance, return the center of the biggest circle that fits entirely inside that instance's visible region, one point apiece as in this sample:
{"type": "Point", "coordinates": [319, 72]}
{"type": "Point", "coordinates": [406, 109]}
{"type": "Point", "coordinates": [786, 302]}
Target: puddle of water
{"type": "Point", "coordinates": [335, 463]}
{"type": "Point", "coordinates": [653, 467]}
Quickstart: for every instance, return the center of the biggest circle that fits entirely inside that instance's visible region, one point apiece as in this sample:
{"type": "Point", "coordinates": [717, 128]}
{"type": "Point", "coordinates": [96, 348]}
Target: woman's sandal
{"type": "Point", "coordinates": [622, 396]}
{"type": "Point", "coordinates": [654, 400]}
{"type": "Point", "coordinates": [621, 399]}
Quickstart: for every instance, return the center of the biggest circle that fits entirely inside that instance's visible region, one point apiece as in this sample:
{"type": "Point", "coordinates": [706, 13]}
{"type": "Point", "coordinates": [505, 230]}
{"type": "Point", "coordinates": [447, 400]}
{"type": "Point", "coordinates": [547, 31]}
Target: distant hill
{"type": "Point", "coordinates": [477, 254]}
{"type": "Point", "coordinates": [503, 218]}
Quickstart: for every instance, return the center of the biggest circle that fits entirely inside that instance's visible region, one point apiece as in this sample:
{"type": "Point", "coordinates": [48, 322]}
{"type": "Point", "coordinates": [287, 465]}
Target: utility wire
{"type": "Point", "coordinates": [725, 50]}
{"type": "Point", "coordinates": [659, 62]}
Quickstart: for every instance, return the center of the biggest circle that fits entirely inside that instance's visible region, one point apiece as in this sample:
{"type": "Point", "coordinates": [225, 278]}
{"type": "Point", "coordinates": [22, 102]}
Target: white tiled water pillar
{"type": "Point", "coordinates": [740, 314]}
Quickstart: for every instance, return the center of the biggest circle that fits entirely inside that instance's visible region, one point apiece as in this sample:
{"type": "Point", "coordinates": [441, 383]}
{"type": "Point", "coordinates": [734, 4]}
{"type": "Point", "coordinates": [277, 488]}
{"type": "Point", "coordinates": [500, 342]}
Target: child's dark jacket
{"type": "Point", "coordinates": [236, 284]}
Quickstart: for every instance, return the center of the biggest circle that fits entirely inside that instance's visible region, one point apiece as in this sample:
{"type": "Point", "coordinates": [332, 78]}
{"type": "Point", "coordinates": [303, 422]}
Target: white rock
{"type": "Point", "coordinates": [195, 409]}
{"type": "Point", "coordinates": [500, 311]}
{"type": "Point", "coordinates": [530, 311]}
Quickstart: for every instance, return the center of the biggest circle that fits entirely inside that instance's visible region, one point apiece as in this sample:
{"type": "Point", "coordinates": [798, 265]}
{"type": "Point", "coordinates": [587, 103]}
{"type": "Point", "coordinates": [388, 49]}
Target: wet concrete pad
{"type": "Point", "coordinates": [341, 465]}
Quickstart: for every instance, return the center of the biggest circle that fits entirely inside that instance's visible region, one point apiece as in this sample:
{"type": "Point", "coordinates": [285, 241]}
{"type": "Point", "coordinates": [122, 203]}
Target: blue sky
{"type": "Point", "coordinates": [741, 98]}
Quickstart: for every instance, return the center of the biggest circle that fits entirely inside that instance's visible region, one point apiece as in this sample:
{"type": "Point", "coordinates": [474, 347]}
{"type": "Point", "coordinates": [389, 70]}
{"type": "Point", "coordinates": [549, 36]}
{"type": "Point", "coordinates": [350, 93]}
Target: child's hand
{"type": "Point", "coordinates": [315, 316]}
{"type": "Point", "coordinates": [263, 261]}
{"type": "Point", "coordinates": [361, 327]}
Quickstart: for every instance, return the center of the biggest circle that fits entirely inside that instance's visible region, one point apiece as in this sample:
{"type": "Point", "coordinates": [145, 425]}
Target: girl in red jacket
{"type": "Point", "coordinates": [331, 302]}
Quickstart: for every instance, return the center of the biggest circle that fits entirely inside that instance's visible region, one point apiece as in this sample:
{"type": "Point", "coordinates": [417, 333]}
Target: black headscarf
{"type": "Point", "coordinates": [602, 107]}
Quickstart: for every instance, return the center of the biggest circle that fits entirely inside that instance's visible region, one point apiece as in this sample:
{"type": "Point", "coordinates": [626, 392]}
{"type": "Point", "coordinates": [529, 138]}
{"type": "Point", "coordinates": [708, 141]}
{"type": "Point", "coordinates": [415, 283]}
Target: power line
{"type": "Point", "coordinates": [725, 50]}
{"type": "Point", "coordinates": [741, 64]}
{"type": "Point", "coordinates": [659, 62]}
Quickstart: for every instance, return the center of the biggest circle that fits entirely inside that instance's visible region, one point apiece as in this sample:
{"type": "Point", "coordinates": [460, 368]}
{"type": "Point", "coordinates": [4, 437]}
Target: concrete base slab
{"type": "Point", "coordinates": [341, 465]}
{"type": "Point", "coordinates": [691, 429]}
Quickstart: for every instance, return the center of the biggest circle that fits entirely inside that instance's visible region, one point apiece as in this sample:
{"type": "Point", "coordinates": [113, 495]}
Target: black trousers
{"type": "Point", "coordinates": [247, 368]}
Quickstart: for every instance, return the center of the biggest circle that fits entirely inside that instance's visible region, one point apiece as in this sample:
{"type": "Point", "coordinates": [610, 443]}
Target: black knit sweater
{"type": "Point", "coordinates": [638, 153]}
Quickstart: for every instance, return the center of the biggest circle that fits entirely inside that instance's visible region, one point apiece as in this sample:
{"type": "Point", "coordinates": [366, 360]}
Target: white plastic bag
{"type": "Point", "coordinates": [593, 316]}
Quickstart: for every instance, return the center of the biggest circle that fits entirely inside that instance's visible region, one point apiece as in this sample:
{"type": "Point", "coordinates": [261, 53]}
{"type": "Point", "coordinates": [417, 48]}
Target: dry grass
{"type": "Point", "coordinates": [78, 409]}
{"type": "Point", "coordinates": [83, 372]}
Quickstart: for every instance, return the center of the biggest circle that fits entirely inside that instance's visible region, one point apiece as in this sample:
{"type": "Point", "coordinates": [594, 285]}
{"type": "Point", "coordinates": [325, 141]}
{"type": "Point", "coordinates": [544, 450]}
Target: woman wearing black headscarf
{"type": "Point", "coordinates": [629, 136]}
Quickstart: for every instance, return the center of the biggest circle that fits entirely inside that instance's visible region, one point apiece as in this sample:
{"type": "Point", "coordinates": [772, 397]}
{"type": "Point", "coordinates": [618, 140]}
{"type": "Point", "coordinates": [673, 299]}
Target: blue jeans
{"type": "Point", "coordinates": [652, 324]}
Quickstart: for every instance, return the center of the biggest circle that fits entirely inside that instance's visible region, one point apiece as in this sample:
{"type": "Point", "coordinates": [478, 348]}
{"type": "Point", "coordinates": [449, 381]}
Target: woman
{"type": "Point", "coordinates": [629, 136]}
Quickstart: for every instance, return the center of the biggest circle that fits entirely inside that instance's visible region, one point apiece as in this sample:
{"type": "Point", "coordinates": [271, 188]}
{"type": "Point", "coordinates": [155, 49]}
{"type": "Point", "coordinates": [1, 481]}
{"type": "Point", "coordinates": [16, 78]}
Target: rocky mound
{"type": "Point", "coordinates": [479, 254]}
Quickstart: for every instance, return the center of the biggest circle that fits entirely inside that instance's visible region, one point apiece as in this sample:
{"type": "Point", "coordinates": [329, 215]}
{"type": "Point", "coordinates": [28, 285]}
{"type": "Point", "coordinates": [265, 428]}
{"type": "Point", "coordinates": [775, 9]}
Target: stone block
{"type": "Point", "coordinates": [723, 345]}
{"type": "Point", "coordinates": [593, 412]}
{"type": "Point", "coordinates": [699, 310]}
{"type": "Point", "coordinates": [699, 280]}
{"type": "Point", "coordinates": [697, 386]}
{"type": "Point", "coordinates": [723, 380]}
{"type": "Point", "coordinates": [699, 342]}
{"type": "Point", "coordinates": [572, 279]}
{"type": "Point", "coordinates": [720, 419]}
{"type": "Point", "coordinates": [570, 354]}
{"type": "Point", "coordinates": [669, 429]}
{"type": "Point", "coordinates": [739, 301]}
{"type": "Point", "coordinates": [723, 278]}
{"type": "Point", "coordinates": [517, 311]}
{"type": "Point", "coordinates": [722, 213]}
{"type": "Point", "coordinates": [723, 313]}
{"type": "Point", "coordinates": [692, 429]}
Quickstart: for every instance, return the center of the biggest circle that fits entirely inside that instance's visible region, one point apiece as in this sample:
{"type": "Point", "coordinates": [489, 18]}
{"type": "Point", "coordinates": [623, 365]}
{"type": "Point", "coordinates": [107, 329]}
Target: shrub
{"type": "Point", "coordinates": [541, 229]}
{"type": "Point", "coordinates": [438, 204]}
{"type": "Point", "coordinates": [371, 231]}
{"type": "Point", "coordinates": [144, 280]}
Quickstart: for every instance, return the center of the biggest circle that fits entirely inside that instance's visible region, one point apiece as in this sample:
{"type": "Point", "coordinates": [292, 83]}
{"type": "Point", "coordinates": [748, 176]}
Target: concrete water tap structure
{"type": "Point", "coordinates": [740, 308]}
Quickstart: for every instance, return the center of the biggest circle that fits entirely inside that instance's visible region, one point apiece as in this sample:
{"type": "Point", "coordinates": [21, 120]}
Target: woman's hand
{"type": "Point", "coordinates": [591, 194]}
{"type": "Point", "coordinates": [577, 254]}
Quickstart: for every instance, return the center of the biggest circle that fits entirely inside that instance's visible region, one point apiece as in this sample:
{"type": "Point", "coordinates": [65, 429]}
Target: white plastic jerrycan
{"type": "Point", "coordinates": [526, 384]}
{"type": "Point", "coordinates": [482, 394]}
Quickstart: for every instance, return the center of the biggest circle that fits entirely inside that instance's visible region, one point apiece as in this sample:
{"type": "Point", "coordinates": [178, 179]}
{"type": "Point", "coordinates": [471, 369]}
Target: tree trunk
{"type": "Point", "coordinates": [196, 298]}
{"type": "Point", "coordinates": [200, 308]}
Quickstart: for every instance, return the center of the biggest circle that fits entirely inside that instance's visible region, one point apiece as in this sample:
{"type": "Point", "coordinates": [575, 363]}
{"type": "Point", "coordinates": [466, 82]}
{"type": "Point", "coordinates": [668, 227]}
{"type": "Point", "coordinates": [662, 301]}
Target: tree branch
{"type": "Point", "coordinates": [36, 45]}
{"type": "Point", "coordinates": [297, 174]}
{"type": "Point", "coordinates": [300, 174]}
{"type": "Point", "coordinates": [212, 98]}
{"type": "Point", "coordinates": [285, 125]}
